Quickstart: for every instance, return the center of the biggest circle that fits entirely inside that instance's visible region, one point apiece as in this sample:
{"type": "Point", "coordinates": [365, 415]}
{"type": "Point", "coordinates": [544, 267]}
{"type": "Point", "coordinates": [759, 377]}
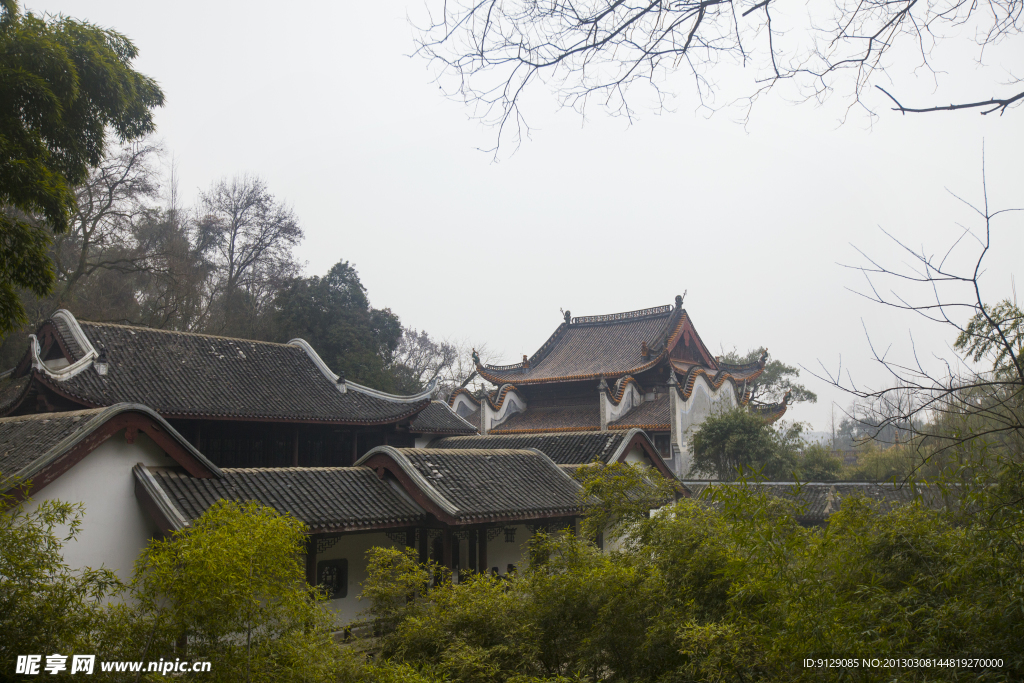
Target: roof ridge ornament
{"type": "Point", "coordinates": [627, 315]}
{"type": "Point", "coordinates": [672, 380]}
{"type": "Point", "coordinates": [679, 300]}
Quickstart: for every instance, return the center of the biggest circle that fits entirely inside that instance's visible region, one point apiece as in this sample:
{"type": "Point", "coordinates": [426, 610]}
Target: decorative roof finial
{"type": "Point", "coordinates": [679, 300]}
{"type": "Point", "coordinates": [764, 357]}
{"type": "Point", "coordinates": [568, 317]}
{"type": "Point", "coordinates": [342, 386]}
{"type": "Point", "coordinates": [526, 362]}
{"type": "Point", "coordinates": [476, 357]}
{"type": "Point", "coordinates": [672, 377]}
{"type": "Point", "coordinates": [603, 385]}
{"type": "Point", "coordinates": [100, 364]}
{"type": "Point", "coordinates": [785, 399]}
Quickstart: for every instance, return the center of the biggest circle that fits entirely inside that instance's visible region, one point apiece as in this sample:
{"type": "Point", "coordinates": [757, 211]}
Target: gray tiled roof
{"type": "Point", "coordinates": [648, 415]}
{"type": "Point", "coordinates": [472, 485]}
{"type": "Point", "coordinates": [26, 438]}
{"type": "Point", "coordinates": [29, 443]}
{"type": "Point", "coordinates": [566, 448]}
{"type": "Point", "coordinates": [11, 390]}
{"type": "Point", "coordinates": [192, 375]}
{"type": "Point", "coordinates": [325, 498]}
{"type": "Point", "coordinates": [586, 349]}
{"type": "Point", "coordinates": [579, 418]}
{"type": "Point", "coordinates": [438, 418]}
{"type": "Point", "coordinates": [816, 501]}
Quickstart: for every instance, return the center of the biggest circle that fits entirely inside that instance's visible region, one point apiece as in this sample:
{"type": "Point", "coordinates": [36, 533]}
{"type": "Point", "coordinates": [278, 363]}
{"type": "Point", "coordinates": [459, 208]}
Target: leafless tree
{"type": "Point", "coordinates": [419, 360]}
{"type": "Point", "coordinates": [954, 409]}
{"type": "Point", "coordinates": [119, 192]}
{"type": "Point", "coordinates": [490, 53]}
{"type": "Point", "coordinates": [250, 237]}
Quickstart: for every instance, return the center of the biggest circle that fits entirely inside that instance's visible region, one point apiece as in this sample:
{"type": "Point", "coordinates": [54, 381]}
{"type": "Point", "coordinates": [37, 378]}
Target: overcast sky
{"type": "Point", "coordinates": [751, 221]}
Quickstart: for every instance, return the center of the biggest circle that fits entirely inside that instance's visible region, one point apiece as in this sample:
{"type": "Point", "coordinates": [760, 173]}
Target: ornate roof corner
{"type": "Point", "coordinates": [772, 412]}
{"type": "Point", "coordinates": [63, 318]}
{"type": "Point", "coordinates": [344, 386]}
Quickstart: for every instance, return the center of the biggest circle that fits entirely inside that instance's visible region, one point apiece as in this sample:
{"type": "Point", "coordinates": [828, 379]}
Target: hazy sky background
{"type": "Point", "coordinates": [322, 101]}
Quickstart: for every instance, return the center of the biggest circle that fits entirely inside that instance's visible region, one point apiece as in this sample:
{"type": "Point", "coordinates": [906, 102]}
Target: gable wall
{"type": "Point", "coordinates": [115, 528]}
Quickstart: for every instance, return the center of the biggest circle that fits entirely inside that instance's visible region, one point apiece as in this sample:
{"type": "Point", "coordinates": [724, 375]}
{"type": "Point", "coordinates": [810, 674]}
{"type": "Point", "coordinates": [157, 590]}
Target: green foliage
{"type": "Point", "coordinates": [818, 464]}
{"type": "Point", "coordinates": [45, 607]}
{"type": "Point", "coordinates": [619, 495]}
{"type": "Point", "coordinates": [231, 589]}
{"type": "Point", "coordinates": [740, 443]}
{"type": "Point", "coordinates": [777, 380]}
{"type": "Point", "coordinates": [63, 84]}
{"type": "Point", "coordinates": [334, 315]}
{"type": "Point", "coordinates": [730, 588]}
{"type": "Point", "coordinates": [996, 332]}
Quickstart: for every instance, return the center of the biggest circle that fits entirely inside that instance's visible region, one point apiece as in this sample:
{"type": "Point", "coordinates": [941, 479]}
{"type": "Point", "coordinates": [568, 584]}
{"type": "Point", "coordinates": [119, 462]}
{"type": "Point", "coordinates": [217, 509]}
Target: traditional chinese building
{"type": "Point", "coordinates": [242, 403]}
{"type": "Point", "coordinates": [137, 478]}
{"type": "Point", "coordinates": [645, 369]}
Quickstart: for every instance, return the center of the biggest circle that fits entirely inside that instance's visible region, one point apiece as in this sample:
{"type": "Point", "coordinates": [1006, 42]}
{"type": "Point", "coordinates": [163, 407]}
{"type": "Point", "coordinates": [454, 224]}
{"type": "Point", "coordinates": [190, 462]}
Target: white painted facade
{"type": "Point", "coordinates": [115, 528]}
{"type": "Point", "coordinates": [353, 548]}
{"type": "Point", "coordinates": [687, 416]}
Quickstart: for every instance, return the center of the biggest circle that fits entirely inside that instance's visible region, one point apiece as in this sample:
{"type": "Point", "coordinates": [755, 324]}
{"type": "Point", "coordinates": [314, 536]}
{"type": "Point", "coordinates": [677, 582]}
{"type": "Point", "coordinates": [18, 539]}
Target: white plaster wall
{"type": "Point", "coordinates": [353, 547]}
{"type": "Point", "coordinates": [636, 456]}
{"type": "Point", "coordinates": [501, 554]}
{"type": "Point", "coordinates": [115, 527]}
{"type": "Point", "coordinates": [630, 399]}
{"type": "Point", "coordinates": [463, 400]}
{"type": "Point", "coordinates": [703, 401]}
{"type": "Point", "coordinates": [514, 403]}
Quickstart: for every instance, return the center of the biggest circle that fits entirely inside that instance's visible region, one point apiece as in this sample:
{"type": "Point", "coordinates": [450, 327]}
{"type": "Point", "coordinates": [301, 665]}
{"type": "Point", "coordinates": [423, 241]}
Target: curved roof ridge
{"type": "Point", "coordinates": [625, 315]}
{"type": "Point", "coordinates": [181, 332]}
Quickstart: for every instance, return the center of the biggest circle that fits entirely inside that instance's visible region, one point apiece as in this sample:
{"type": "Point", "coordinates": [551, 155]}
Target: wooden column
{"type": "Point", "coordinates": [471, 560]}
{"type": "Point", "coordinates": [482, 548]}
{"type": "Point", "coordinates": [424, 545]}
{"type": "Point", "coordinates": [295, 447]}
{"type": "Point", "coordinates": [446, 547]}
{"type": "Point", "coordinates": [311, 560]}
{"type": "Point", "coordinates": [410, 538]}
